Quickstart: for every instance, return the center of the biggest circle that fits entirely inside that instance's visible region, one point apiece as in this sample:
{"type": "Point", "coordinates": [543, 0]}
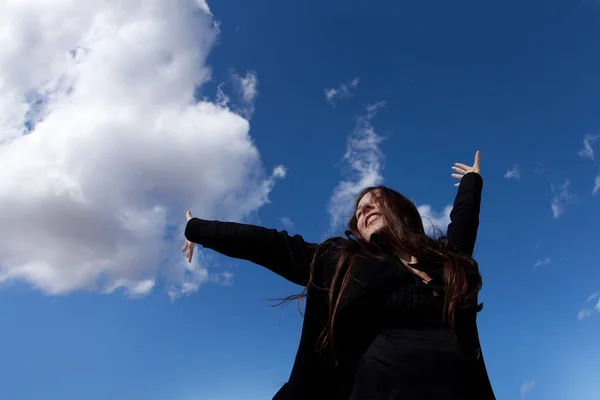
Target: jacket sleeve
{"type": "Point", "coordinates": [462, 230]}
{"type": "Point", "coordinates": [287, 256]}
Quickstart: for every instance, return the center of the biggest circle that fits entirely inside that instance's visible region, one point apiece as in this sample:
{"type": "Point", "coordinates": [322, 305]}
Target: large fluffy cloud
{"type": "Point", "coordinates": [103, 146]}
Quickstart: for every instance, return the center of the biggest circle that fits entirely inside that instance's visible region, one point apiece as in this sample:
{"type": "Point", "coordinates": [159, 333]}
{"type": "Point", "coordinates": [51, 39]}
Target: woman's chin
{"type": "Point", "coordinates": [376, 228]}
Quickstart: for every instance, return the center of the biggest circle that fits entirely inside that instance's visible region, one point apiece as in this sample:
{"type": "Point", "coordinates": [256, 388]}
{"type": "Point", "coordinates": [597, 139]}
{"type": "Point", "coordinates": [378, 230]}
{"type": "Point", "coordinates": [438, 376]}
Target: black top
{"type": "Point", "coordinates": [367, 325]}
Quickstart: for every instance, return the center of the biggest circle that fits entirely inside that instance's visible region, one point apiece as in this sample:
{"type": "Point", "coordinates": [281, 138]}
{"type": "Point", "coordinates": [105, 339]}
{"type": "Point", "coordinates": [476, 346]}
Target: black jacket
{"type": "Point", "coordinates": [325, 374]}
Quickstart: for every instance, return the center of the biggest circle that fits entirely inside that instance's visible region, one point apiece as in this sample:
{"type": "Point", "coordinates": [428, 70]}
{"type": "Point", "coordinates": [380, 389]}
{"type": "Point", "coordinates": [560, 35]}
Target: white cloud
{"type": "Point", "coordinates": [435, 222]}
{"type": "Point", "coordinates": [134, 288]}
{"type": "Point", "coordinates": [513, 173]}
{"type": "Point", "coordinates": [586, 312]}
{"type": "Point", "coordinates": [287, 223]}
{"type": "Point", "coordinates": [223, 278]}
{"type": "Point", "coordinates": [561, 198]}
{"type": "Point", "coordinates": [227, 278]}
{"type": "Point", "coordinates": [117, 147]}
{"type": "Point", "coordinates": [221, 99]}
{"type": "Point", "coordinates": [596, 185]}
{"type": "Point", "coordinates": [364, 161]}
{"type": "Point", "coordinates": [541, 263]}
{"type": "Point", "coordinates": [526, 388]}
{"type": "Point", "coordinates": [343, 91]}
{"type": "Point", "coordinates": [279, 171]}
{"type": "Point", "coordinates": [588, 151]}
{"type": "Point", "coordinates": [590, 310]}
{"type": "Point", "coordinates": [248, 89]}
{"type": "Point", "coordinates": [249, 85]}
{"type": "Point", "coordinates": [593, 296]}
{"type": "Point", "coordinates": [202, 5]}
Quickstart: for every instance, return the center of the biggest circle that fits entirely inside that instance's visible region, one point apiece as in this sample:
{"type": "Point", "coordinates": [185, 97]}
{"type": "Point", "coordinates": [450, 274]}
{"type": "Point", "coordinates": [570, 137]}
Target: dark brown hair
{"type": "Point", "coordinates": [403, 232]}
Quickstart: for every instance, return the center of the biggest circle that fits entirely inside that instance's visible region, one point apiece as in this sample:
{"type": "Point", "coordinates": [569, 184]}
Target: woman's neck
{"type": "Point", "coordinates": [379, 239]}
{"type": "Point", "coordinates": [406, 258]}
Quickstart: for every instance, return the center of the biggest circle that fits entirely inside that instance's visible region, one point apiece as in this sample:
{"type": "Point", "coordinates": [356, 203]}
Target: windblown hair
{"type": "Point", "coordinates": [403, 232]}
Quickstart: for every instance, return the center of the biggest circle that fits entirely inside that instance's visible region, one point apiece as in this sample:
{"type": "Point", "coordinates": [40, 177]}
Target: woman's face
{"type": "Point", "coordinates": [368, 215]}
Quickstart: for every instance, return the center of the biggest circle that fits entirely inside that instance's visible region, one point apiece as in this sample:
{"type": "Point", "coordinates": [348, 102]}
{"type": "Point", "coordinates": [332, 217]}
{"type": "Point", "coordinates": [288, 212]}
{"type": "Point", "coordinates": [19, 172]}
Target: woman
{"type": "Point", "coordinates": [390, 312]}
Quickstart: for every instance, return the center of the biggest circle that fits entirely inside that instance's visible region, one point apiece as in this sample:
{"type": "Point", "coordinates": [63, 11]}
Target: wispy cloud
{"type": "Point", "coordinates": [513, 173]}
{"type": "Point", "coordinates": [539, 168]}
{"type": "Point", "coordinates": [224, 278]}
{"type": "Point", "coordinates": [227, 278]}
{"type": "Point", "coordinates": [287, 223]}
{"type": "Point", "coordinates": [596, 185]}
{"type": "Point", "coordinates": [364, 163]}
{"type": "Point", "coordinates": [134, 288]}
{"type": "Point", "coordinates": [526, 388]}
{"type": "Point", "coordinates": [434, 221]}
{"type": "Point", "coordinates": [586, 312]}
{"type": "Point", "coordinates": [590, 308]}
{"type": "Point", "coordinates": [588, 151]}
{"type": "Point", "coordinates": [541, 263]}
{"type": "Point", "coordinates": [561, 198]}
{"type": "Point", "coordinates": [222, 99]}
{"type": "Point", "coordinates": [344, 90]}
{"type": "Point", "coordinates": [247, 86]}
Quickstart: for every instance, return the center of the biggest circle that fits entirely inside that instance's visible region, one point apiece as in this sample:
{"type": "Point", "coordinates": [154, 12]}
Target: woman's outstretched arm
{"type": "Point", "coordinates": [462, 230]}
{"type": "Point", "coordinates": [287, 256]}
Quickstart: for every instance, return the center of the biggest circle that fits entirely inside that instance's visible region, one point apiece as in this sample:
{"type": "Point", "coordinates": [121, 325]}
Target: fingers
{"type": "Point", "coordinates": [189, 246]}
{"type": "Point", "coordinates": [458, 176]}
{"type": "Point", "coordinates": [462, 166]}
{"type": "Point", "coordinates": [457, 184]}
{"type": "Point", "coordinates": [459, 170]}
{"type": "Point", "coordinates": [188, 215]}
{"type": "Point", "coordinates": [477, 161]}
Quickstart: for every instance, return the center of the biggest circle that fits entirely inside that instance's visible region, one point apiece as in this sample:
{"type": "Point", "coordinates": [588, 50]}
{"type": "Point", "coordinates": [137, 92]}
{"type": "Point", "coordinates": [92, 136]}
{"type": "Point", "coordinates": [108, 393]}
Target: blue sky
{"type": "Point", "coordinates": [519, 81]}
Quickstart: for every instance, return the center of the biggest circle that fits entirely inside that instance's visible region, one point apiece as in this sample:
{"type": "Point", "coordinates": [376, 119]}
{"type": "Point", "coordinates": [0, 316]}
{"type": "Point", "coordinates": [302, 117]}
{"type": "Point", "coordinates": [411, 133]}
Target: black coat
{"type": "Point", "coordinates": [325, 375]}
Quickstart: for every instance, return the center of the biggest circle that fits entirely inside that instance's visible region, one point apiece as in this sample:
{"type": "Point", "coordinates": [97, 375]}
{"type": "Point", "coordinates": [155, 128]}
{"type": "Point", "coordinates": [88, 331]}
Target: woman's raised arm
{"type": "Point", "coordinates": [462, 230]}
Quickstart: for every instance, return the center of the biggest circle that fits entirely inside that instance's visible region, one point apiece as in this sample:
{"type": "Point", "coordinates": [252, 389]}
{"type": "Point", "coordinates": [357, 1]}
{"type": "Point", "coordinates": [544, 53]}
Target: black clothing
{"type": "Point", "coordinates": [391, 341]}
{"type": "Point", "coordinates": [409, 363]}
{"type": "Point", "coordinates": [414, 355]}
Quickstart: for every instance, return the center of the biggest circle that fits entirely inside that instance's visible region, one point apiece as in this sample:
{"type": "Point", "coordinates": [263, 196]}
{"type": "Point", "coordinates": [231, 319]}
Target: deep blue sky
{"type": "Point", "coordinates": [518, 80]}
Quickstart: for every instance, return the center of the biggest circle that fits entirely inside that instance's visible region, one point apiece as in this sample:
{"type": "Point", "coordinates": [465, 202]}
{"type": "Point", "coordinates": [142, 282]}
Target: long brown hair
{"type": "Point", "coordinates": [403, 232]}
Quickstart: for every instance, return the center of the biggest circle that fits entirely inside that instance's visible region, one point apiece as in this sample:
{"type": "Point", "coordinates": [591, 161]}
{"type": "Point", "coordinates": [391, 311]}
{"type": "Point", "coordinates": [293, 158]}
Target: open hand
{"type": "Point", "coordinates": [188, 246]}
{"type": "Point", "coordinates": [463, 169]}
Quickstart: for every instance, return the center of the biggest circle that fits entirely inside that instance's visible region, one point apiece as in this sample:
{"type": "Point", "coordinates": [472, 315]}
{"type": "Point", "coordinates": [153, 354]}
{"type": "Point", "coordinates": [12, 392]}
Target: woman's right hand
{"type": "Point", "coordinates": [463, 169]}
{"type": "Point", "coordinates": [188, 246]}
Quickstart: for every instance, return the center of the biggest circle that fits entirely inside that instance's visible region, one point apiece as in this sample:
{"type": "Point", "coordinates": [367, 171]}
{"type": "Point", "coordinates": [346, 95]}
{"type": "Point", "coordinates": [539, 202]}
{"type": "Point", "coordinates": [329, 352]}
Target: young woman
{"type": "Point", "coordinates": [390, 312]}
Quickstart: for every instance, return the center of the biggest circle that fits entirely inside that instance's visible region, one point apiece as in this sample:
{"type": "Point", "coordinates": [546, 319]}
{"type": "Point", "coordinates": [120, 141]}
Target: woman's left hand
{"type": "Point", "coordinates": [463, 169]}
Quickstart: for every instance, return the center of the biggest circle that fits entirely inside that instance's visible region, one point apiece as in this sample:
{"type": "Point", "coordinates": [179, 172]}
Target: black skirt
{"type": "Point", "coordinates": [413, 364]}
